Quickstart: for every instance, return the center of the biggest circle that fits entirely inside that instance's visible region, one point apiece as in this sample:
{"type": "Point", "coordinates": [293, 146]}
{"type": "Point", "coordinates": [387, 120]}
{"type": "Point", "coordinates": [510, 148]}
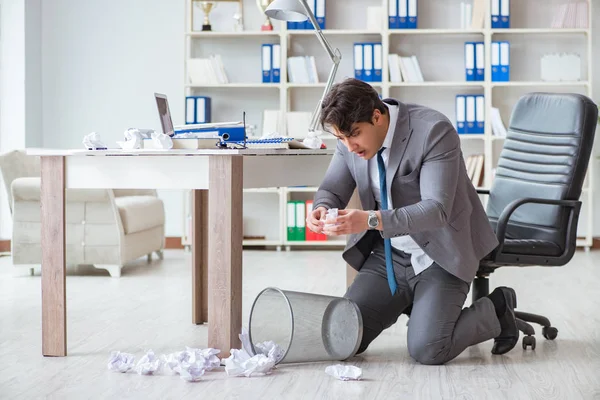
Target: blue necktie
{"type": "Point", "coordinates": [389, 265]}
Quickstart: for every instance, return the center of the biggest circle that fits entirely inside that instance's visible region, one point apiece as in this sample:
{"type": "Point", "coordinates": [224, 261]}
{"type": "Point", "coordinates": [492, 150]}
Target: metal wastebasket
{"type": "Point", "coordinates": [308, 327]}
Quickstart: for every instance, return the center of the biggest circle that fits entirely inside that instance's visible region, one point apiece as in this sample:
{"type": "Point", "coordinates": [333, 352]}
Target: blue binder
{"type": "Point", "coordinates": [276, 63]}
{"type": "Point", "coordinates": [402, 14]}
{"type": "Point", "coordinates": [505, 14]}
{"type": "Point", "coordinates": [197, 110]}
{"type": "Point", "coordinates": [377, 62]}
{"type": "Point", "coordinates": [461, 109]}
{"type": "Point", "coordinates": [479, 114]}
{"type": "Point", "coordinates": [504, 61]}
{"type": "Point", "coordinates": [320, 8]}
{"type": "Point", "coordinates": [470, 61]}
{"type": "Point", "coordinates": [479, 61]}
{"type": "Point", "coordinates": [470, 114]}
{"type": "Point", "coordinates": [393, 22]}
{"type": "Point", "coordinates": [495, 56]}
{"type": "Point", "coordinates": [267, 62]}
{"type": "Point", "coordinates": [495, 12]}
{"type": "Point", "coordinates": [368, 62]}
{"type": "Point", "coordinates": [412, 14]}
{"type": "Point", "coordinates": [359, 71]}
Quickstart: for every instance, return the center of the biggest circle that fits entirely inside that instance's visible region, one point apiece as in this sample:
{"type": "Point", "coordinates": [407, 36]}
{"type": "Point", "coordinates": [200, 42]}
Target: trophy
{"type": "Point", "coordinates": [208, 6]}
{"type": "Point", "coordinates": [262, 5]}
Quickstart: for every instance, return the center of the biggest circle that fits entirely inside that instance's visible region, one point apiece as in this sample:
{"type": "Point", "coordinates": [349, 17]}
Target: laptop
{"type": "Point", "coordinates": [227, 131]}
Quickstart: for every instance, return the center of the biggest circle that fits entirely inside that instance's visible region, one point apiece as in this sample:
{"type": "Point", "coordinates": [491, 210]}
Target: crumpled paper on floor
{"type": "Point", "coordinates": [344, 372]}
{"type": "Point", "coordinates": [192, 363]}
{"type": "Point", "coordinates": [149, 364]}
{"type": "Point", "coordinates": [121, 362]}
{"type": "Point", "coordinates": [242, 363]}
{"type": "Point", "coordinates": [93, 141]}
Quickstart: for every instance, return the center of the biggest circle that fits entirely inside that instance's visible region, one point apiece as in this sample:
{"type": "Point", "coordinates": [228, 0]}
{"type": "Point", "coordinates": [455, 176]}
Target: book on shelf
{"type": "Point", "coordinates": [302, 69]}
{"type": "Point", "coordinates": [210, 70]}
{"type": "Point", "coordinates": [498, 128]}
{"type": "Point", "coordinates": [475, 169]}
{"type": "Point", "coordinates": [404, 69]}
{"type": "Point", "coordinates": [478, 14]}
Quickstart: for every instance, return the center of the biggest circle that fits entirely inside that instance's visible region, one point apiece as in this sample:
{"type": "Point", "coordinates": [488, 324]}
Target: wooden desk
{"type": "Point", "coordinates": [217, 178]}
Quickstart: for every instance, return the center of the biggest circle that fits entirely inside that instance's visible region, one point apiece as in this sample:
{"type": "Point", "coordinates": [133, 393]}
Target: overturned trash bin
{"type": "Point", "coordinates": [308, 327]}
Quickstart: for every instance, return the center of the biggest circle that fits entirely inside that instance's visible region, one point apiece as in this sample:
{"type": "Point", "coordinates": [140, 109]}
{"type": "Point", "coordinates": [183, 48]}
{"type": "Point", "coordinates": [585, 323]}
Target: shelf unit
{"type": "Point", "coordinates": [434, 35]}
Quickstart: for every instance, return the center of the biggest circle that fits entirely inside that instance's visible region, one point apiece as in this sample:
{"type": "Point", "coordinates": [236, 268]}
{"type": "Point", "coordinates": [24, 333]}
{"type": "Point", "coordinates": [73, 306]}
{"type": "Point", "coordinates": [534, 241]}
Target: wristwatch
{"type": "Point", "coordinates": [373, 221]}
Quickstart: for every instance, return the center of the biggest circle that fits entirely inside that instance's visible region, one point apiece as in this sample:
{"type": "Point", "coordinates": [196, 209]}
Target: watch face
{"type": "Point", "coordinates": [373, 221]}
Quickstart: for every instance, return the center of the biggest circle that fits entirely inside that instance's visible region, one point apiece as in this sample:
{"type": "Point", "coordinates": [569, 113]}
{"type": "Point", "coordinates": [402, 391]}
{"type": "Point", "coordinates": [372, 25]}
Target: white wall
{"type": "Point", "coordinates": [20, 85]}
{"type": "Point", "coordinates": [101, 62]}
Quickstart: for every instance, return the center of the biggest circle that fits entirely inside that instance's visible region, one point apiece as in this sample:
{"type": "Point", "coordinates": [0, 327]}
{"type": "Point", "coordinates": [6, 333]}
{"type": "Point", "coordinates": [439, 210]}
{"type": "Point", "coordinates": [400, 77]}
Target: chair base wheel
{"type": "Point", "coordinates": [550, 332]}
{"type": "Point", "coordinates": [529, 341]}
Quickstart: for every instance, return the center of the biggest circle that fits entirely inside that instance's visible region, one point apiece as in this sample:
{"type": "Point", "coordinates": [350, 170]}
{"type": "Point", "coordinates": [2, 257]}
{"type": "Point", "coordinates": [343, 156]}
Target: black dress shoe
{"type": "Point", "coordinates": [509, 335]}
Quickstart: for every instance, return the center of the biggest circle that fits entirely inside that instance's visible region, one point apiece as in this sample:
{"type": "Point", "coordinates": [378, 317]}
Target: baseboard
{"type": "Point", "coordinates": [173, 242]}
{"type": "Point", "coordinates": [4, 246]}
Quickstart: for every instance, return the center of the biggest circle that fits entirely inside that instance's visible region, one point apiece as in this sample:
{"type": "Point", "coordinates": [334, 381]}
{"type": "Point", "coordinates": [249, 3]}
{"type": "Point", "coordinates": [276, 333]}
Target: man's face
{"type": "Point", "coordinates": [365, 139]}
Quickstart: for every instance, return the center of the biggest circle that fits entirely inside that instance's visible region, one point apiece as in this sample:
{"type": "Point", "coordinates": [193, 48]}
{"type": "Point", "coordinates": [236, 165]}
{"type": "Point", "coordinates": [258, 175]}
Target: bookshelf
{"type": "Point", "coordinates": [438, 40]}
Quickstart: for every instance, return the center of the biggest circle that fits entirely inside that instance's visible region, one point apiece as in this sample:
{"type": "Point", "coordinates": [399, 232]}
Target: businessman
{"type": "Point", "coordinates": [422, 231]}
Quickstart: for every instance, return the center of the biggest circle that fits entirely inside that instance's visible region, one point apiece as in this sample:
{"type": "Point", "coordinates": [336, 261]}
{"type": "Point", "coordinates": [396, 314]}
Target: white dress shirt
{"type": "Point", "coordinates": [420, 261]}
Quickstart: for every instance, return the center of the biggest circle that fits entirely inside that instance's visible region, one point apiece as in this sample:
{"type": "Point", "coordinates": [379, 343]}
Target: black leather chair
{"type": "Point", "coordinates": [533, 203]}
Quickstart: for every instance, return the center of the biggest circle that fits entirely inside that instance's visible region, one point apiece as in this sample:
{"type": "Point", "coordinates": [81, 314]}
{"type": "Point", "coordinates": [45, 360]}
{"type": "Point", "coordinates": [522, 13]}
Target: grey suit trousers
{"type": "Point", "coordinates": [439, 329]}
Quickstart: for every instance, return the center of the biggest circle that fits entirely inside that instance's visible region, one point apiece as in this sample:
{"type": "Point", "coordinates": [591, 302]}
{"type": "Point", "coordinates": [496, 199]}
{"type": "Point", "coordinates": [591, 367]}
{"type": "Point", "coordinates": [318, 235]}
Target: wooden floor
{"type": "Point", "coordinates": [149, 308]}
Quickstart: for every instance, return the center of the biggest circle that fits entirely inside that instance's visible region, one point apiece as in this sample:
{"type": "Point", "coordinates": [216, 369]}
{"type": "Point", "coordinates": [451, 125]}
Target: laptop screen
{"type": "Point", "coordinates": [164, 113]}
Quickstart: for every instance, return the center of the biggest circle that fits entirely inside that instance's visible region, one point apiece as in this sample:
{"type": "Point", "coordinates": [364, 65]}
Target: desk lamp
{"type": "Point", "coordinates": [299, 11]}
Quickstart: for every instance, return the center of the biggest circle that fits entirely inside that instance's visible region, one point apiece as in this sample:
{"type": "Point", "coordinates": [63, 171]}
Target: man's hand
{"type": "Point", "coordinates": [316, 220]}
{"type": "Point", "coordinates": [349, 221]}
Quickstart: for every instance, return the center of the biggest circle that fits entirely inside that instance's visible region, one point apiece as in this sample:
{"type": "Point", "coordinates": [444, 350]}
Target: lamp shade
{"type": "Point", "coordinates": [286, 10]}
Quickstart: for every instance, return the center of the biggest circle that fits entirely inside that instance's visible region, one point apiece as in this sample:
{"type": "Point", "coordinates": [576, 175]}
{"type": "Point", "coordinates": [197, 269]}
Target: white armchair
{"type": "Point", "coordinates": [104, 228]}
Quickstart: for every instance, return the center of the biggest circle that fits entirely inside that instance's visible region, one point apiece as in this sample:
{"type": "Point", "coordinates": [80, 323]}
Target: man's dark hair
{"type": "Point", "coordinates": [349, 102]}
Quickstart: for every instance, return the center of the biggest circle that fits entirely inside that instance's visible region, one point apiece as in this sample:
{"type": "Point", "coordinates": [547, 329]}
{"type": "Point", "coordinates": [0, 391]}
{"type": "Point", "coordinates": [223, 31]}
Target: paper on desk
{"type": "Point", "coordinates": [162, 141]}
{"type": "Point", "coordinates": [93, 141]}
{"type": "Point", "coordinates": [134, 137]}
{"type": "Point", "coordinates": [192, 363]}
{"type": "Point", "coordinates": [149, 364]}
{"type": "Point", "coordinates": [121, 362]}
{"type": "Point", "coordinates": [344, 372]}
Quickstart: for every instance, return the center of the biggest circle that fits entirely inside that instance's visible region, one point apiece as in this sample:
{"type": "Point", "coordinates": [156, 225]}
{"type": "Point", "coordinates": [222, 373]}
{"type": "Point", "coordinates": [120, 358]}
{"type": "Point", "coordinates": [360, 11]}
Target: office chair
{"type": "Point", "coordinates": [533, 203]}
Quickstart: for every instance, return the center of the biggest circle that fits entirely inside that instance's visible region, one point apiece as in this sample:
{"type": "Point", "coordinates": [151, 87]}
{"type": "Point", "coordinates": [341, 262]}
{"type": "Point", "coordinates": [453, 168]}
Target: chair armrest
{"type": "Point", "coordinates": [574, 205]}
{"type": "Point", "coordinates": [28, 189]}
{"type": "Point", "coordinates": [483, 191]}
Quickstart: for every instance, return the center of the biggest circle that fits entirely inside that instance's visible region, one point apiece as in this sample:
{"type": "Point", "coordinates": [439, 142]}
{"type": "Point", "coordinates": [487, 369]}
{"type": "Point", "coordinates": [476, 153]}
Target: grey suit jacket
{"type": "Point", "coordinates": [434, 199]}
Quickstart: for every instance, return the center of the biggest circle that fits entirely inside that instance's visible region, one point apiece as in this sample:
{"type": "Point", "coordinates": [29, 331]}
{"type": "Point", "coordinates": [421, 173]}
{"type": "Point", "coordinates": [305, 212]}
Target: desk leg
{"type": "Point", "coordinates": [199, 256]}
{"type": "Point", "coordinates": [225, 252]}
{"type": "Point", "coordinates": [354, 203]}
{"type": "Point", "coordinates": [54, 302]}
